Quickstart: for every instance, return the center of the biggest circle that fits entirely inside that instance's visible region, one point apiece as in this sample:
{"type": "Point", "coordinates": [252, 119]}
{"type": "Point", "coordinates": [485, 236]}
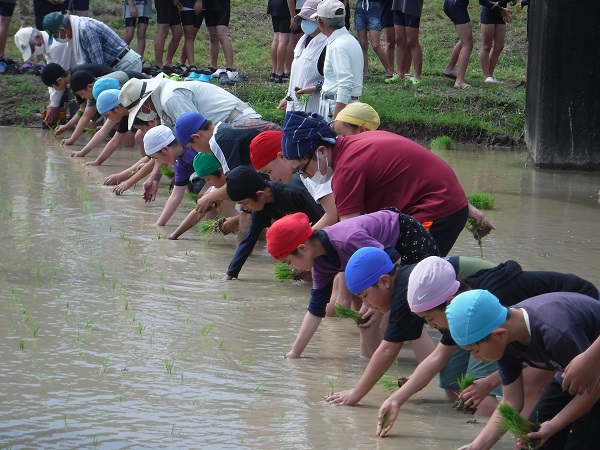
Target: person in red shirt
{"type": "Point", "coordinates": [379, 169]}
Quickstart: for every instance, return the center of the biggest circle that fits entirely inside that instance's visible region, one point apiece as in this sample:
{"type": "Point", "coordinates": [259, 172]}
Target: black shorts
{"type": "Point", "coordinates": [299, 29]}
{"type": "Point", "coordinates": [79, 5]}
{"type": "Point", "coordinates": [491, 17]}
{"type": "Point", "coordinates": [404, 20]}
{"type": "Point", "coordinates": [217, 18]}
{"type": "Point", "coordinates": [281, 24]}
{"type": "Point", "coordinates": [456, 10]}
{"type": "Point", "coordinates": [385, 14]}
{"type": "Point", "coordinates": [6, 9]}
{"type": "Point", "coordinates": [445, 231]}
{"type": "Point", "coordinates": [132, 21]}
{"type": "Point", "coordinates": [191, 18]}
{"type": "Point", "coordinates": [167, 12]}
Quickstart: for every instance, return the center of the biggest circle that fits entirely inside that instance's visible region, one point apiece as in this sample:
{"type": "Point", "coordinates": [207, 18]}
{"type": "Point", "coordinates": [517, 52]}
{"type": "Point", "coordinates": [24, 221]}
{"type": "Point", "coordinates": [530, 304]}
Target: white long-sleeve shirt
{"type": "Point", "coordinates": [343, 68]}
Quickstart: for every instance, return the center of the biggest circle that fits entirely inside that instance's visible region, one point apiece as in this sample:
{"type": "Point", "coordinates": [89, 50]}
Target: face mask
{"type": "Point", "coordinates": [320, 178]}
{"type": "Point", "coordinates": [62, 40]}
{"type": "Point", "coordinates": [147, 117]}
{"type": "Point", "coordinates": [309, 27]}
{"type": "Point", "coordinates": [39, 50]}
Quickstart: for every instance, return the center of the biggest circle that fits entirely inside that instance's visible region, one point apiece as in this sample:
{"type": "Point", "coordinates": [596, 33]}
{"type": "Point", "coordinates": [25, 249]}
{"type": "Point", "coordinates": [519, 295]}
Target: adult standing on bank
{"type": "Point", "coordinates": [343, 69]}
{"type": "Point", "coordinates": [92, 41]}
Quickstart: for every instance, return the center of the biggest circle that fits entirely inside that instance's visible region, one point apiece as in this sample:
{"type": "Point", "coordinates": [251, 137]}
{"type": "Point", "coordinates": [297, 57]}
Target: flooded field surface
{"type": "Point", "coordinates": [114, 337]}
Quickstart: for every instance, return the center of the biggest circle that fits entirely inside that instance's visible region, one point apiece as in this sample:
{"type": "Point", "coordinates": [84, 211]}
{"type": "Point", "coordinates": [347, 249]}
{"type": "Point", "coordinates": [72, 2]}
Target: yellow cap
{"type": "Point", "coordinates": [360, 114]}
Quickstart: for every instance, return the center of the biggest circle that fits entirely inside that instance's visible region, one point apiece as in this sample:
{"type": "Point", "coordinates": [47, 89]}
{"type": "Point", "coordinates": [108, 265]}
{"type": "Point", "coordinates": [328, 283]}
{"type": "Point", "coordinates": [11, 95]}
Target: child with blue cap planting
{"type": "Point", "coordinates": [556, 332]}
{"type": "Point", "coordinates": [382, 286]}
{"type": "Point", "coordinates": [326, 252]}
{"type": "Point", "coordinates": [209, 169]}
{"type": "Point", "coordinates": [266, 201]}
{"type": "Point", "coordinates": [432, 285]}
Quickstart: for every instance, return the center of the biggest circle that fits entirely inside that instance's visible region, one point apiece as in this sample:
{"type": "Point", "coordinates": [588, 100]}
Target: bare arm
{"type": "Point", "coordinates": [583, 373]}
{"type": "Point", "coordinates": [137, 176]}
{"type": "Point", "coordinates": [330, 217]}
{"type": "Point", "coordinates": [83, 122]}
{"type": "Point", "coordinates": [108, 149]}
{"type": "Point", "coordinates": [423, 374]}
{"type": "Point", "coordinates": [190, 220]}
{"type": "Point", "coordinates": [96, 138]}
{"type": "Point", "coordinates": [349, 216]}
{"type": "Point", "coordinates": [205, 202]}
{"type": "Point", "coordinates": [172, 204]}
{"type": "Point", "coordinates": [307, 330]}
{"type": "Point", "coordinates": [380, 362]}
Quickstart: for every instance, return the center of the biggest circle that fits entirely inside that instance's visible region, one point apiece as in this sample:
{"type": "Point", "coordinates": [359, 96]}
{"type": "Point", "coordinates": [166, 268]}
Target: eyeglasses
{"type": "Point", "coordinates": [303, 170]}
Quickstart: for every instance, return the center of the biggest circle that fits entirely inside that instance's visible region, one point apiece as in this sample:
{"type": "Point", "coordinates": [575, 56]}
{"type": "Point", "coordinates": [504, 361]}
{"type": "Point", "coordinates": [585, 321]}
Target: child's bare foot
{"type": "Point", "coordinates": [462, 85]}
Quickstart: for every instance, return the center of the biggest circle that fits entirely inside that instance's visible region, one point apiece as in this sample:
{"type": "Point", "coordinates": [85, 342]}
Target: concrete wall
{"type": "Point", "coordinates": [562, 122]}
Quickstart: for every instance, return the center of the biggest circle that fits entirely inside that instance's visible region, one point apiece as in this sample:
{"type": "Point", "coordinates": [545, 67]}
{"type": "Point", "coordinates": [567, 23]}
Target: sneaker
{"type": "Point", "coordinates": [206, 78]}
{"type": "Point", "coordinates": [231, 74]}
{"type": "Point", "coordinates": [238, 79]}
{"type": "Point", "coordinates": [2, 67]}
{"type": "Point", "coordinates": [491, 80]}
{"type": "Point", "coordinates": [395, 79]}
{"type": "Point", "coordinates": [223, 78]}
{"type": "Point", "coordinates": [217, 73]}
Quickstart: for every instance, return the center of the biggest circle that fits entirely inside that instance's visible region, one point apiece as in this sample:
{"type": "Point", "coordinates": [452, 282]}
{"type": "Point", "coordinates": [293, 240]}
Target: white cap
{"type": "Point", "coordinates": [22, 38]}
{"type": "Point", "coordinates": [157, 138]}
{"type": "Point", "coordinates": [329, 9]}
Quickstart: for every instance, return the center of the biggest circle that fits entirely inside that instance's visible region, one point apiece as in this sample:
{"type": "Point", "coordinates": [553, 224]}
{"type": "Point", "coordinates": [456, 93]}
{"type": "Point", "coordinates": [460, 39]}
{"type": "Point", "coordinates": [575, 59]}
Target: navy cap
{"type": "Point", "coordinates": [302, 132]}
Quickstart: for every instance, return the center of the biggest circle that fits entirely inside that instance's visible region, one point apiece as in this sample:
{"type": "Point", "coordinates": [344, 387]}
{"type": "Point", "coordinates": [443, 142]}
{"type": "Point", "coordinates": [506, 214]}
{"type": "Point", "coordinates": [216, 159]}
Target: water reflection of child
{"type": "Point", "coordinates": [556, 331]}
{"type": "Point", "coordinates": [291, 240]}
{"type": "Point", "coordinates": [431, 287]}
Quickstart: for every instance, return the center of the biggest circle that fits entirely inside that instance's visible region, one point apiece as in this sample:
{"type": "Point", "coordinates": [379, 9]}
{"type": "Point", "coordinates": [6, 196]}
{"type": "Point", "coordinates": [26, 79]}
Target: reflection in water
{"type": "Point", "coordinates": [114, 337]}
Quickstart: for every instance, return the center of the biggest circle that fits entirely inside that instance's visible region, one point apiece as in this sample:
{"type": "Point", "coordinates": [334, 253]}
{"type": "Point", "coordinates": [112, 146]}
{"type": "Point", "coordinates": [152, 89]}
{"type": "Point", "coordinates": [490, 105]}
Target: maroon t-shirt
{"type": "Point", "coordinates": [377, 169]}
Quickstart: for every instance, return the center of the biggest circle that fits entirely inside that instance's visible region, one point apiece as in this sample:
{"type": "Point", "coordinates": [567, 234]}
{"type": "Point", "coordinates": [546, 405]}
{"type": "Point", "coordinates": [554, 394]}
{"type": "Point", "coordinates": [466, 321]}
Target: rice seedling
{"type": "Point", "coordinates": [114, 284]}
{"type": "Point", "coordinates": [441, 143]}
{"type": "Point", "coordinates": [347, 313]}
{"type": "Point", "coordinates": [141, 328]}
{"type": "Point", "coordinates": [53, 207]}
{"type": "Point", "coordinates": [388, 382]}
{"type": "Point", "coordinates": [175, 431]}
{"type": "Point", "coordinates": [479, 231]}
{"type": "Point", "coordinates": [386, 420]}
{"type": "Point", "coordinates": [105, 364]}
{"type": "Point", "coordinates": [332, 381]}
{"type": "Point", "coordinates": [95, 441]}
{"type": "Point", "coordinates": [464, 382]}
{"type": "Point", "coordinates": [206, 329]}
{"type": "Point", "coordinates": [66, 421]}
{"type": "Point", "coordinates": [169, 365]}
{"type": "Point", "coordinates": [121, 397]}
{"type": "Point", "coordinates": [482, 200]}
{"type": "Point", "coordinates": [122, 235]}
{"type": "Point", "coordinates": [90, 131]}
{"type": "Point", "coordinates": [220, 344]}
{"type": "Point", "coordinates": [36, 329]}
{"type": "Point", "coordinates": [21, 344]}
{"type": "Point", "coordinates": [517, 425]}
{"type": "Point", "coordinates": [59, 294]}
{"type": "Point", "coordinates": [102, 272]}
{"type": "Point", "coordinates": [209, 227]}
{"type": "Point", "coordinates": [284, 272]}
{"type": "Point", "coordinates": [167, 171]}
{"type": "Point", "coordinates": [260, 389]}
{"type": "Point", "coordinates": [88, 325]}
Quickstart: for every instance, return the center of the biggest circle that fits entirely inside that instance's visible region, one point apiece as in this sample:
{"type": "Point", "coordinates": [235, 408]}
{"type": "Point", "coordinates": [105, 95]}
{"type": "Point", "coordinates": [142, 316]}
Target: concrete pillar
{"type": "Point", "coordinates": [562, 112]}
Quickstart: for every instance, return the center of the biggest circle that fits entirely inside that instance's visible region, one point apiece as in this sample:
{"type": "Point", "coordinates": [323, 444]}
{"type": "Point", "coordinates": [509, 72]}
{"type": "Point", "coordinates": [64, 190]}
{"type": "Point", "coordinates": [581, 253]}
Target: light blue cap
{"type": "Point", "coordinates": [473, 315]}
{"type": "Point", "coordinates": [107, 100]}
{"type": "Point", "coordinates": [365, 267]}
{"type": "Point", "coordinates": [103, 84]}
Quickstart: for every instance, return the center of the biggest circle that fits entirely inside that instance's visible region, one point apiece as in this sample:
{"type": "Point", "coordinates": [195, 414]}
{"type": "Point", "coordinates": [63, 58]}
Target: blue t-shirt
{"type": "Point", "coordinates": [562, 326]}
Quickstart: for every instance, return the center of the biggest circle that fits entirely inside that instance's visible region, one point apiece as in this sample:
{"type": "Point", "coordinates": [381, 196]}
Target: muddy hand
{"type": "Point", "coordinates": [343, 398]}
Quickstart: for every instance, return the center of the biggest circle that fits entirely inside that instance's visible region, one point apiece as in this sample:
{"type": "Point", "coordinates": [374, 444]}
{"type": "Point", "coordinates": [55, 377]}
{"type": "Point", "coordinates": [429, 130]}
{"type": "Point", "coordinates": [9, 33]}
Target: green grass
{"type": "Point", "coordinates": [433, 108]}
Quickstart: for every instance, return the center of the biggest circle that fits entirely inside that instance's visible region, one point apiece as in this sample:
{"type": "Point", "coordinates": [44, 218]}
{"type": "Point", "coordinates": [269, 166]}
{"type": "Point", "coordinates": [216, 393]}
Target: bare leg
{"type": "Point", "coordinates": [223, 37]}
{"type": "Point", "coordinates": [414, 49]}
{"type": "Point", "coordinates": [364, 45]}
{"type": "Point", "coordinates": [401, 55]}
{"type": "Point", "coordinates": [187, 51]}
{"type": "Point", "coordinates": [294, 38]}
{"type": "Point", "coordinates": [465, 34]}
{"type": "Point", "coordinates": [159, 43]}
{"type": "Point", "coordinates": [274, 45]}
{"type": "Point", "coordinates": [284, 38]}
{"type": "Point", "coordinates": [487, 39]}
{"type": "Point", "coordinates": [4, 23]}
{"type": "Point", "coordinates": [141, 39]}
{"type": "Point", "coordinates": [375, 38]}
{"type": "Point", "coordinates": [176, 34]}
{"type": "Point", "coordinates": [129, 32]}
{"type": "Point", "coordinates": [390, 44]}
{"type": "Point", "coordinates": [499, 34]}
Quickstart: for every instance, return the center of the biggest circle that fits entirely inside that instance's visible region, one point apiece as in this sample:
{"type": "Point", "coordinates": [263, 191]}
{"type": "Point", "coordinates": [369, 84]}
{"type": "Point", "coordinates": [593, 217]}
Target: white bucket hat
{"type": "Point", "coordinates": [135, 92]}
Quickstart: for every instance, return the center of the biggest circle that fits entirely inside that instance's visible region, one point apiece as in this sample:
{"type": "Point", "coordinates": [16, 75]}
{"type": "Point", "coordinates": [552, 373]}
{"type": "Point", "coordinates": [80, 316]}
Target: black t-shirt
{"type": "Point", "coordinates": [512, 285]}
{"type": "Point", "coordinates": [288, 198]}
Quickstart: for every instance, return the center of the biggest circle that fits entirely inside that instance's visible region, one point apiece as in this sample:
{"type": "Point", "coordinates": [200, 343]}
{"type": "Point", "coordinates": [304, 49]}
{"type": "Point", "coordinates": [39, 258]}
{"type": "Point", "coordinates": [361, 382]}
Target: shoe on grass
{"type": "Point", "coordinates": [395, 79]}
{"type": "Point", "coordinates": [491, 80]}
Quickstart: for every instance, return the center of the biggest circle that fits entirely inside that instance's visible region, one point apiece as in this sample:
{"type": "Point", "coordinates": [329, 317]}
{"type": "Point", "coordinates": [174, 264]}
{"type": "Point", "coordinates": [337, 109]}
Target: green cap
{"type": "Point", "coordinates": [205, 164]}
{"type": "Point", "coordinates": [52, 22]}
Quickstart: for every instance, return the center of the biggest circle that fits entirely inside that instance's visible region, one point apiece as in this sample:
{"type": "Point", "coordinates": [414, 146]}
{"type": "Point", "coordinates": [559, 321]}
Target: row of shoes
{"type": "Point", "coordinates": [283, 78]}
{"type": "Point", "coordinates": [180, 72]}
{"type": "Point", "coordinates": [9, 66]}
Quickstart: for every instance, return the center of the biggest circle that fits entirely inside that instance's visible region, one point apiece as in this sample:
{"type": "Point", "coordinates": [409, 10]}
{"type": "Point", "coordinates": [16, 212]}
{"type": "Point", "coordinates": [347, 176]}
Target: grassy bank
{"type": "Point", "coordinates": [492, 114]}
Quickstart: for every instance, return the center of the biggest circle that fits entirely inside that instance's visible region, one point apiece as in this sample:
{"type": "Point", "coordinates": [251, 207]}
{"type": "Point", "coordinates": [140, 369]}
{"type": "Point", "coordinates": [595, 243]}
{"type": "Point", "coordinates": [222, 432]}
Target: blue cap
{"type": "Point", "coordinates": [186, 125]}
{"type": "Point", "coordinates": [473, 315]}
{"type": "Point", "coordinates": [107, 100]}
{"type": "Point", "coordinates": [365, 267]}
{"type": "Point", "coordinates": [302, 132]}
{"type": "Point", "coordinates": [103, 84]}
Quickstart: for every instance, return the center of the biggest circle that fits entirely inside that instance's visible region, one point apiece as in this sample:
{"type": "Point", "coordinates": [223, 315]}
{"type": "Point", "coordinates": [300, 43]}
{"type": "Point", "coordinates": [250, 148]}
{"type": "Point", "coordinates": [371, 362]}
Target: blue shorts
{"type": "Point", "coordinates": [367, 19]}
{"type": "Point", "coordinates": [455, 368]}
{"type": "Point", "coordinates": [491, 17]}
{"type": "Point", "coordinates": [404, 20]}
{"type": "Point", "coordinates": [456, 10]}
{"type": "Point", "coordinates": [385, 14]}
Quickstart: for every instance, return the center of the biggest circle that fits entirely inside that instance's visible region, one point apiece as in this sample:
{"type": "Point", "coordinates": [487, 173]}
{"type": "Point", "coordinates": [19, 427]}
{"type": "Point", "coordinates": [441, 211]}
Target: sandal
{"type": "Point", "coordinates": [274, 77]}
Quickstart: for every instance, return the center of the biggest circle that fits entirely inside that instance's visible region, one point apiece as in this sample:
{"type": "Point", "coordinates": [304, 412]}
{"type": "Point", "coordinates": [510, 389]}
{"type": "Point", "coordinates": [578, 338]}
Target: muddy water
{"type": "Point", "coordinates": [114, 337]}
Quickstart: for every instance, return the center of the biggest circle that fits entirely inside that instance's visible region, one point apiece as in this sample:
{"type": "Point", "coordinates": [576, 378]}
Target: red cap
{"type": "Point", "coordinates": [287, 233]}
{"type": "Point", "coordinates": [264, 148]}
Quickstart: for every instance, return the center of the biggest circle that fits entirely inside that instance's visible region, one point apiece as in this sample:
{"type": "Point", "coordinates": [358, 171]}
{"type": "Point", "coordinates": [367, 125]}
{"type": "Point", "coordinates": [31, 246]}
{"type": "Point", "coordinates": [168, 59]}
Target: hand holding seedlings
{"type": "Point", "coordinates": [475, 393]}
{"type": "Point", "coordinates": [577, 378]}
{"type": "Point", "coordinates": [388, 413]}
{"type": "Point", "coordinates": [369, 317]}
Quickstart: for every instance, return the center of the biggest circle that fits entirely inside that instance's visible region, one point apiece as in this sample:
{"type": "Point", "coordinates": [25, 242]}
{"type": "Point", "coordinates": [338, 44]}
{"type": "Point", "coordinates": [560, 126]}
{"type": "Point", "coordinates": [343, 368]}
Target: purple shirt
{"type": "Point", "coordinates": [563, 325]}
{"type": "Point", "coordinates": [184, 167]}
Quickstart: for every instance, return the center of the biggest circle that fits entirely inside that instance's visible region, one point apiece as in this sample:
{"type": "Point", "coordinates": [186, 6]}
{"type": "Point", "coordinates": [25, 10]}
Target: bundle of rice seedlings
{"type": "Point", "coordinates": [191, 199]}
{"type": "Point", "coordinates": [517, 425]}
{"type": "Point", "coordinates": [464, 382]}
{"type": "Point", "coordinates": [347, 313]}
{"type": "Point", "coordinates": [90, 131]}
{"type": "Point", "coordinates": [481, 200]}
{"type": "Point", "coordinates": [284, 272]}
{"type": "Point", "coordinates": [479, 231]}
{"type": "Point", "coordinates": [441, 143]}
{"type": "Point", "coordinates": [166, 171]}
{"type": "Point", "coordinates": [209, 227]}
{"type": "Point", "coordinates": [402, 381]}
{"type": "Point", "coordinates": [388, 382]}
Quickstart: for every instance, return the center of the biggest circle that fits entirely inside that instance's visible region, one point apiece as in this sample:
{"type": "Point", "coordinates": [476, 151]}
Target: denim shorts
{"type": "Point", "coordinates": [367, 19]}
